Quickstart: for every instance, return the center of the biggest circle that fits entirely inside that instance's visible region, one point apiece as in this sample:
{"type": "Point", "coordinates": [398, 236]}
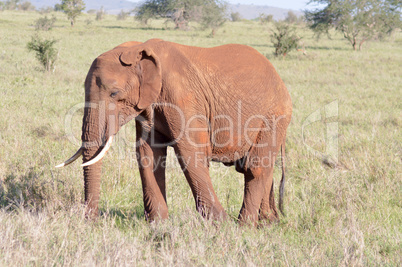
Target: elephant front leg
{"type": "Point", "coordinates": [195, 166]}
{"type": "Point", "coordinates": [151, 162]}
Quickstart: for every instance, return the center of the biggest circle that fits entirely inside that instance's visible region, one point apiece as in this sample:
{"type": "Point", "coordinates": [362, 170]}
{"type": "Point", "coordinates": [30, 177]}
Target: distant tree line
{"type": "Point", "coordinates": [16, 5]}
{"type": "Point", "coordinates": [209, 13]}
{"type": "Point", "coordinates": [291, 18]}
{"type": "Point", "coordinates": [358, 20]}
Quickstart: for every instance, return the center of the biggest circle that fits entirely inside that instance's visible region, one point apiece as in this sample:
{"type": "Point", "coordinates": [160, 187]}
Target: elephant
{"type": "Point", "coordinates": [225, 104]}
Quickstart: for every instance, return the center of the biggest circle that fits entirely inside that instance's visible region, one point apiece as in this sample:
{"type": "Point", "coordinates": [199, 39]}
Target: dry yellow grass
{"type": "Point", "coordinates": [348, 215]}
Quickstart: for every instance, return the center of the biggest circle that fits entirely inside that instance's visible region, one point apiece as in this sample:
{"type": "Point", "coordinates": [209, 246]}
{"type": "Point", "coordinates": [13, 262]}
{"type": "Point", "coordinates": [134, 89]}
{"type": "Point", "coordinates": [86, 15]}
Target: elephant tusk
{"type": "Point", "coordinates": [101, 154]}
{"type": "Point", "coordinates": [72, 159]}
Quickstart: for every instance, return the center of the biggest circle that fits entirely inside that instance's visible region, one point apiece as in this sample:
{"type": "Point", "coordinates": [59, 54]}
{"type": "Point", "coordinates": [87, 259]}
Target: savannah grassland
{"type": "Point", "coordinates": [347, 215]}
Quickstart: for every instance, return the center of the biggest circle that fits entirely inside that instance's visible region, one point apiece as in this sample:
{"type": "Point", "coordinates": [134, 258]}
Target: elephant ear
{"type": "Point", "coordinates": [148, 67]}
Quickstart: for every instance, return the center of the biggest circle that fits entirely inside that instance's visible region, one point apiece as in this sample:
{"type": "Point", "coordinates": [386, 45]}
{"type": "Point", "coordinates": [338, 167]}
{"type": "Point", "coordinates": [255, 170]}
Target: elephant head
{"type": "Point", "coordinates": [120, 84]}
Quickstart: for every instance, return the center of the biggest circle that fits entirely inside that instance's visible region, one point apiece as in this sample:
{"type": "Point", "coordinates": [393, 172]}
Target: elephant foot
{"type": "Point", "coordinates": [248, 217]}
{"type": "Point", "coordinates": [268, 213]}
{"type": "Point", "coordinates": [214, 214]}
{"type": "Point", "coordinates": [247, 221]}
{"type": "Point", "coordinates": [91, 215]}
{"type": "Point", "coordinates": [268, 218]}
{"type": "Point", "coordinates": [155, 216]}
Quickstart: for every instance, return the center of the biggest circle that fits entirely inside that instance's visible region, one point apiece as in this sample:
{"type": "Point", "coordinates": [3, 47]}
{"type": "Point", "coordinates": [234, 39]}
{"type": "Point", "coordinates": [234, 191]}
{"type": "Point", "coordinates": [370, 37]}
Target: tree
{"type": "Point", "coordinates": [180, 12]}
{"type": "Point", "coordinates": [10, 4]}
{"type": "Point", "coordinates": [122, 15]}
{"type": "Point", "coordinates": [235, 16]}
{"type": "Point", "coordinates": [213, 15]}
{"type": "Point", "coordinates": [100, 15]}
{"type": "Point", "coordinates": [58, 7]}
{"type": "Point", "coordinates": [73, 9]}
{"type": "Point", "coordinates": [263, 18]}
{"type": "Point", "coordinates": [176, 10]}
{"type": "Point", "coordinates": [358, 20]}
{"type": "Point", "coordinates": [291, 17]}
{"type": "Point", "coordinates": [26, 6]}
{"type": "Point", "coordinates": [284, 38]}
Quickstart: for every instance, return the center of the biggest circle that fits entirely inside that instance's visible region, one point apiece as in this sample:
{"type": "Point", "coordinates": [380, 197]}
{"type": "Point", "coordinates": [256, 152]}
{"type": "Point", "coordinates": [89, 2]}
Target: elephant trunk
{"type": "Point", "coordinates": [92, 180]}
{"type": "Point", "coordinates": [93, 134]}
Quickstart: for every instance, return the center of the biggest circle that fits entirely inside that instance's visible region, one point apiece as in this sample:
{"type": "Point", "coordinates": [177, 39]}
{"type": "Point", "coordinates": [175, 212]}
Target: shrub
{"type": "Point", "coordinates": [284, 38]}
{"type": "Point", "coordinates": [45, 24]}
{"type": "Point", "coordinates": [46, 53]}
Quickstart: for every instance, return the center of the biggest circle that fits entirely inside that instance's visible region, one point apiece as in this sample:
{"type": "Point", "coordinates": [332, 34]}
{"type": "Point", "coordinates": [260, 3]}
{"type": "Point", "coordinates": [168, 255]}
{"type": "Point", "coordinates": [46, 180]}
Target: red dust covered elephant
{"type": "Point", "coordinates": [225, 104]}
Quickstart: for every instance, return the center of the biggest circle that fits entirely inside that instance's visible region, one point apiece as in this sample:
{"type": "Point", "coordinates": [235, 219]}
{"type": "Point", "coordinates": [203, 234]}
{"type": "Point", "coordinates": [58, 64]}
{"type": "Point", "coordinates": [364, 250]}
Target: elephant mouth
{"type": "Point", "coordinates": [94, 160]}
{"type": "Point", "coordinates": [97, 157]}
{"type": "Point", "coordinates": [101, 154]}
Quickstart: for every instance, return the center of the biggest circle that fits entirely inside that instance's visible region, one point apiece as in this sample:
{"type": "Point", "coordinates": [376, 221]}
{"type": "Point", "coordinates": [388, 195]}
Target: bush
{"type": "Point", "coordinates": [284, 38]}
{"type": "Point", "coordinates": [46, 53]}
{"type": "Point", "coordinates": [45, 24]}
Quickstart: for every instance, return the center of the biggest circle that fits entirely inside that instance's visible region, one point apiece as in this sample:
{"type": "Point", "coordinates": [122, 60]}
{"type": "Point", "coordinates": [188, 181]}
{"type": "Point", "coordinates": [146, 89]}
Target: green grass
{"type": "Point", "coordinates": [348, 215]}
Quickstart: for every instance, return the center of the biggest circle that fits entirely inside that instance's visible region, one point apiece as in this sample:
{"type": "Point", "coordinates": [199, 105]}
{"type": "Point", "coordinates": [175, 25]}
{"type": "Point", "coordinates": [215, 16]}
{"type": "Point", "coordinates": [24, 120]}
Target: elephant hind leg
{"type": "Point", "coordinates": [259, 201]}
{"type": "Point", "coordinates": [254, 189]}
{"type": "Point", "coordinates": [268, 211]}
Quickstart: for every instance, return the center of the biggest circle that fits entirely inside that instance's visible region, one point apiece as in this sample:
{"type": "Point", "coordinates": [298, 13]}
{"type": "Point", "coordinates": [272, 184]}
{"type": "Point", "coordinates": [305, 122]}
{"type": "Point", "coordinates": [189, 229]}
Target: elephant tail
{"type": "Point", "coordinates": [282, 184]}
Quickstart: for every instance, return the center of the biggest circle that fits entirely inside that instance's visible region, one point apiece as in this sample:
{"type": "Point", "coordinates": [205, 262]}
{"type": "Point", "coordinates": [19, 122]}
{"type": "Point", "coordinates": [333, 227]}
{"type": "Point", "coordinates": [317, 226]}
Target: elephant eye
{"type": "Point", "coordinates": [114, 94]}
